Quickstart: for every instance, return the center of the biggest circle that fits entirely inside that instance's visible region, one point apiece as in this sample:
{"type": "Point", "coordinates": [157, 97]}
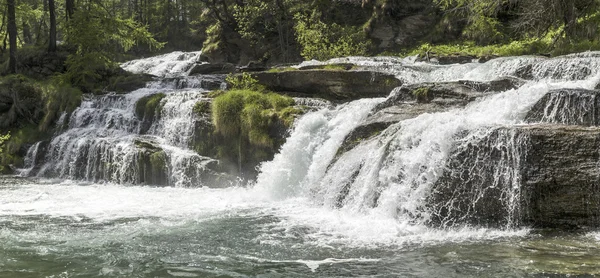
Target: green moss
{"type": "Point", "coordinates": [249, 126]}
{"type": "Point", "coordinates": [148, 107]}
{"type": "Point", "coordinates": [58, 98]}
{"type": "Point", "coordinates": [214, 94]}
{"type": "Point", "coordinates": [244, 81]}
{"type": "Point", "coordinates": [289, 114]}
{"type": "Point", "coordinates": [13, 149]}
{"type": "Point", "coordinates": [335, 67]}
{"type": "Point", "coordinates": [202, 108]}
{"type": "Point", "coordinates": [545, 45]}
{"type": "Point", "coordinates": [158, 162]}
{"type": "Point", "coordinates": [3, 138]}
{"type": "Point", "coordinates": [422, 94]}
{"type": "Point", "coordinates": [249, 113]}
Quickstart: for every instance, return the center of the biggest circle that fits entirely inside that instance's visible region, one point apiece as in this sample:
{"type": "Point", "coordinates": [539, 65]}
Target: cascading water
{"type": "Point", "coordinates": [434, 194]}
{"type": "Point", "coordinates": [106, 140]}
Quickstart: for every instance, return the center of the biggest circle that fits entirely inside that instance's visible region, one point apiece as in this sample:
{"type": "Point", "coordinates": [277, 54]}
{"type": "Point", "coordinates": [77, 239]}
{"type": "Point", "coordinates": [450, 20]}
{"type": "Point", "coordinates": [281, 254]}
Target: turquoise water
{"type": "Point", "coordinates": [68, 229]}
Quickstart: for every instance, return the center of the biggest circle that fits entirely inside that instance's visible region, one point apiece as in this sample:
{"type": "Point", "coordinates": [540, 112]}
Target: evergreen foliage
{"type": "Point", "coordinates": [3, 138]}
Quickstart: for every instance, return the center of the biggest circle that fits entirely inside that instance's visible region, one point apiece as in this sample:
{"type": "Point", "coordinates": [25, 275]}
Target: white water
{"type": "Point", "coordinates": [168, 65]}
{"type": "Point", "coordinates": [371, 195]}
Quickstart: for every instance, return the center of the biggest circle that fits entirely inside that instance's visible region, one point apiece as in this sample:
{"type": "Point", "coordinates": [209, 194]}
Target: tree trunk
{"type": "Point", "coordinates": [52, 42]}
{"type": "Point", "coordinates": [70, 8]}
{"type": "Point", "coordinates": [12, 36]}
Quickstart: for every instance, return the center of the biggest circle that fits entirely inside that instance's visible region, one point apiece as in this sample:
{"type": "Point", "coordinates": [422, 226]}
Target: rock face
{"type": "Point", "coordinates": [330, 84]}
{"type": "Point", "coordinates": [561, 177]}
{"type": "Point", "coordinates": [400, 23]}
{"type": "Point", "coordinates": [216, 68]}
{"type": "Point", "coordinates": [567, 106]}
{"type": "Point", "coordinates": [539, 176]}
{"type": "Point", "coordinates": [542, 175]}
{"type": "Point", "coordinates": [410, 101]}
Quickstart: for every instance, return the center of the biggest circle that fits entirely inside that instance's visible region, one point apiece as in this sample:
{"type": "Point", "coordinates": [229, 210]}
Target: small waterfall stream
{"type": "Point", "coordinates": [106, 141]}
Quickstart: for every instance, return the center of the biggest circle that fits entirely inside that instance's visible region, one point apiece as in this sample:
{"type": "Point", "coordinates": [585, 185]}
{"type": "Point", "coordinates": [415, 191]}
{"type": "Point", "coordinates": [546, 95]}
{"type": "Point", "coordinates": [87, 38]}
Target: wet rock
{"type": "Point", "coordinates": [335, 66]}
{"type": "Point", "coordinates": [148, 109]}
{"type": "Point", "coordinates": [216, 68]}
{"type": "Point", "coordinates": [128, 82]}
{"type": "Point", "coordinates": [253, 66]}
{"type": "Point", "coordinates": [525, 72]}
{"type": "Point", "coordinates": [152, 166]}
{"type": "Point", "coordinates": [540, 176]}
{"type": "Point", "coordinates": [410, 101]}
{"type": "Point", "coordinates": [330, 84]}
{"type": "Point", "coordinates": [567, 106]}
{"type": "Point", "coordinates": [448, 93]}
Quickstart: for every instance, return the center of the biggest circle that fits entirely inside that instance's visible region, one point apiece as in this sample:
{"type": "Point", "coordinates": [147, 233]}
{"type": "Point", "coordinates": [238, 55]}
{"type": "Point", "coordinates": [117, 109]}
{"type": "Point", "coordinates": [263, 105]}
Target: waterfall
{"type": "Point", "coordinates": [569, 107]}
{"type": "Point", "coordinates": [460, 165]}
{"type": "Point", "coordinates": [168, 65]}
{"type": "Point", "coordinates": [446, 169]}
{"type": "Point", "coordinates": [105, 140]}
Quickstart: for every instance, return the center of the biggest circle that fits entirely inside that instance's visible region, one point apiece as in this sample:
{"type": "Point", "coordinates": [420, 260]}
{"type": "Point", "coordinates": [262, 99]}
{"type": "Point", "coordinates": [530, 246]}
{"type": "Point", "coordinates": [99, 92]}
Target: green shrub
{"type": "Point", "coordinates": [249, 114]}
{"type": "Point", "coordinates": [202, 108]}
{"type": "Point", "coordinates": [3, 138]}
{"type": "Point", "coordinates": [323, 41]}
{"type": "Point", "coordinates": [58, 98]}
{"type": "Point", "coordinates": [244, 81]}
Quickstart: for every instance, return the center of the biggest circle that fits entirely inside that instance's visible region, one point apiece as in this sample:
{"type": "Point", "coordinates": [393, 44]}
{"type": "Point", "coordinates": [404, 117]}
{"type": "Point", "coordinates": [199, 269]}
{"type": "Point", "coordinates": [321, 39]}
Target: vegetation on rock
{"type": "Point", "coordinates": [148, 107]}
{"type": "Point", "coordinates": [3, 138]}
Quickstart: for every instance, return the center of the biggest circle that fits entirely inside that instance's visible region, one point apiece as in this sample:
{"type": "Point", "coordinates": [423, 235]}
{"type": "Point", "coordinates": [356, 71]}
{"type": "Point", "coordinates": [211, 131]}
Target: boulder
{"type": "Point", "coordinates": [540, 176]}
{"type": "Point", "coordinates": [449, 93]}
{"type": "Point", "coordinates": [216, 68]}
{"type": "Point", "coordinates": [152, 166]}
{"type": "Point", "coordinates": [330, 84]}
{"type": "Point", "coordinates": [254, 66]}
{"type": "Point", "coordinates": [567, 106]}
{"type": "Point", "coordinates": [128, 82]}
{"type": "Point", "coordinates": [410, 101]}
{"type": "Point", "coordinates": [442, 59]}
{"type": "Point", "coordinates": [338, 66]}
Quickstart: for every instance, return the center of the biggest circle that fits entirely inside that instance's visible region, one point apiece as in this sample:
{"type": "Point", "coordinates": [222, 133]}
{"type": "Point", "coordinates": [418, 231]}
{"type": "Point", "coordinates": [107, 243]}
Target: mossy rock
{"type": "Point", "coordinates": [21, 101]}
{"type": "Point", "coordinates": [202, 108]}
{"type": "Point", "coordinates": [247, 128]}
{"type": "Point", "coordinates": [152, 166]}
{"type": "Point", "coordinates": [147, 110]}
{"type": "Point", "coordinates": [16, 147]}
{"type": "Point", "coordinates": [335, 66]}
{"type": "Point", "coordinates": [128, 82]}
{"type": "Point", "coordinates": [360, 134]}
{"type": "Point", "coordinates": [337, 85]}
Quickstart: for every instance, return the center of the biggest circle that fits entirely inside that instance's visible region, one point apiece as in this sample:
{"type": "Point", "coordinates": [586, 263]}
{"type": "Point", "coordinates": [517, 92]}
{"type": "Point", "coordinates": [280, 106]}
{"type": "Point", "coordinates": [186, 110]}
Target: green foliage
{"type": "Point", "coordinates": [202, 108]}
{"type": "Point", "coordinates": [213, 42]}
{"type": "Point", "coordinates": [422, 94]}
{"type": "Point", "coordinates": [11, 156]}
{"type": "Point", "coordinates": [97, 37]}
{"type": "Point", "coordinates": [323, 41]}
{"type": "Point", "coordinates": [58, 98]}
{"type": "Point", "coordinates": [482, 24]}
{"type": "Point", "coordinates": [523, 47]}
{"type": "Point", "coordinates": [244, 81]}
{"type": "Point", "coordinates": [3, 138]}
{"type": "Point", "coordinates": [149, 107]}
{"type": "Point", "coordinates": [249, 114]}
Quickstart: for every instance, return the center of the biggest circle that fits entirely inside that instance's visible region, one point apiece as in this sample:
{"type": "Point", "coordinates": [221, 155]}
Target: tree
{"type": "Point", "coordinates": [52, 42]}
{"type": "Point", "coordinates": [12, 36]}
